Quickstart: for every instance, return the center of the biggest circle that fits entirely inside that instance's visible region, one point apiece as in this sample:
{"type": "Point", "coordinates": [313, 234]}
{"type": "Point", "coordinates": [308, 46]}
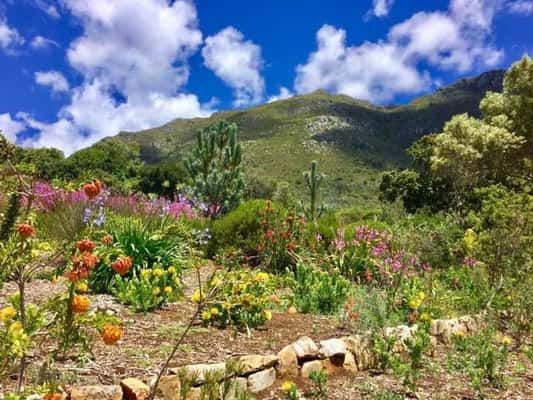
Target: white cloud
{"type": "Point", "coordinates": [10, 127]}
{"type": "Point", "coordinates": [458, 40]}
{"type": "Point", "coordinates": [9, 37]}
{"type": "Point", "coordinates": [48, 8]}
{"type": "Point", "coordinates": [238, 63]}
{"type": "Point", "coordinates": [40, 42]}
{"type": "Point", "coordinates": [284, 93]}
{"type": "Point", "coordinates": [139, 53]}
{"type": "Point", "coordinates": [54, 79]}
{"type": "Point", "coordinates": [521, 7]}
{"type": "Point", "coordinates": [381, 8]}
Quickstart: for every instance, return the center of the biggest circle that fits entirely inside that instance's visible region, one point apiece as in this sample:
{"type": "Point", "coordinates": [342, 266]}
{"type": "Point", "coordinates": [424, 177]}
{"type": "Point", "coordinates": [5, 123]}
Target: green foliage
{"type": "Point", "coordinates": [215, 168]}
{"type": "Point", "coordinates": [240, 229]}
{"type": "Point", "coordinates": [283, 195]}
{"type": "Point", "coordinates": [148, 290]}
{"type": "Point", "coordinates": [316, 291]}
{"type": "Point", "coordinates": [10, 216]}
{"type": "Point", "coordinates": [148, 245]}
{"type": "Point", "coordinates": [320, 384]}
{"type": "Point", "coordinates": [313, 180]}
{"type": "Point", "coordinates": [482, 358]}
{"type": "Point", "coordinates": [241, 301]}
{"type": "Point", "coordinates": [368, 309]}
{"type": "Point", "coordinates": [161, 179]}
{"type": "Point", "coordinates": [47, 163]}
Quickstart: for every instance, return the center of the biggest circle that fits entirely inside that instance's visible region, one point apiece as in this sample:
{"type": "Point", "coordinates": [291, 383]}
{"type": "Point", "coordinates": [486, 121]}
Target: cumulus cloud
{"type": "Point", "coordinates": [284, 93]}
{"type": "Point", "coordinates": [521, 7]}
{"type": "Point", "coordinates": [9, 37]}
{"type": "Point", "coordinates": [457, 39]}
{"type": "Point", "coordinates": [54, 79]}
{"type": "Point", "coordinates": [381, 8]}
{"type": "Point", "coordinates": [138, 54]}
{"type": "Point", "coordinates": [238, 63]}
{"type": "Point", "coordinates": [40, 42]}
{"type": "Point", "coordinates": [10, 127]}
{"type": "Point", "coordinates": [47, 8]}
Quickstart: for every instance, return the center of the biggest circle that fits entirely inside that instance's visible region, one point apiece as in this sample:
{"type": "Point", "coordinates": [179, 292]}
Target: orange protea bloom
{"type": "Point", "coordinates": [53, 396]}
{"type": "Point", "coordinates": [80, 303]}
{"type": "Point", "coordinates": [89, 260]}
{"type": "Point", "coordinates": [122, 265]}
{"type": "Point", "coordinates": [111, 334]}
{"type": "Point", "coordinates": [77, 274]}
{"type": "Point", "coordinates": [92, 189]}
{"type": "Point", "coordinates": [107, 239]}
{"type": "Point", "coordinates": [26, 230]}
{"type": "Point", "coordinates": [86, 245]}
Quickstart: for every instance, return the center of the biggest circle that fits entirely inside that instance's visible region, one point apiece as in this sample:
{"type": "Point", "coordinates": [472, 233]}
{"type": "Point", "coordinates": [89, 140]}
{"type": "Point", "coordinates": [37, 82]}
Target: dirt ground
{"type": "Point", "coordinates": [148, 339]}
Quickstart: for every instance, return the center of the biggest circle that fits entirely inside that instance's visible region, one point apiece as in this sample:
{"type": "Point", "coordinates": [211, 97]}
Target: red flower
{"type": "Point", "coordinates": [270, 234]}
{"type": "Point", "coordinates": [122, 265]}
{"type": "Point", "coordinates": [26, 231]}
{"type": "Point", "coordinates": [77, 274]}
{"type": "Point", "coordinates": [291, 246]}
{"type": "Point", "coordinates": [86, 245]}
{"type": "Point", "coordinates": [412, 318]}
{"type": "Point", "coordinates": [89, 260]}
{"type": "Point", "coordinates": [107, 239]}
{"type": "Point", "coordinates": [111, 334]}
{"type": "Point", "coordinates": [260, 247]}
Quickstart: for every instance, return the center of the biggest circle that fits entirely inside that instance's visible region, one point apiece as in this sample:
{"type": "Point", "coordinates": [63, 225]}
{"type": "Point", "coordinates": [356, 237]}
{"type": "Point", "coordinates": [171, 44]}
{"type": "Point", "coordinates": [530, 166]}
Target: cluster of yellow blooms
{"type": "Point", "coordinates": [417, 301]}
{"type": "Point", "coordinates": [15, 332]}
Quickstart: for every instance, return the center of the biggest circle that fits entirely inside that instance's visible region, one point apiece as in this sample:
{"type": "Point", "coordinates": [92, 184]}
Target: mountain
{"type": "Point", "coordinates": [352, 140]}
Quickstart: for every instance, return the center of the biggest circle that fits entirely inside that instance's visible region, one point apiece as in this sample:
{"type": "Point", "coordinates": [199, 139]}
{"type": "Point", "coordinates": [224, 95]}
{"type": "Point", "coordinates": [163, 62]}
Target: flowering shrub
{"type": "Point", "coordinates": [242, 298]}
{"type": "Point", "coordinates": [149, 289]}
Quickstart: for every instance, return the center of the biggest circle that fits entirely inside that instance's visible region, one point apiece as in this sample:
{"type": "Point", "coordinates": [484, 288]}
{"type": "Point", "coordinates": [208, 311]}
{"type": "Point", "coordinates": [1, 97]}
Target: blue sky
{"type": "Point", "coordinates": [75, 71]}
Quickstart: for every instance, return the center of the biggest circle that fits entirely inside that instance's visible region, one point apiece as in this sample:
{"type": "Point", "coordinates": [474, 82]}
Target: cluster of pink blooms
{"type": "Point", "coordinates": [48, 197]}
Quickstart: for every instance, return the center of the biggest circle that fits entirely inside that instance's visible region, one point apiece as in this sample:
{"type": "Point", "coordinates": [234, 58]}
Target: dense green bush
{"type": "Point", "coordinates": [316, 291]}
{"type": "Point", "coordinates": [240, 229]}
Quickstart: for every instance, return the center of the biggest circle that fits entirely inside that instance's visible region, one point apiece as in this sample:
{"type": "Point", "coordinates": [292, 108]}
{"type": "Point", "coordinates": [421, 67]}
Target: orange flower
{"type": "Point", "coordinates": [77, 274]}
{"type": "Point", "coordinates": [86, 245]}
{"type": "Point", "coordinates": [89, 260]}
{"type": "Point", "coordinates": [111, 334]}
{"type": "Point", "coordinates": [269, 234]}
{"type": "Point", "coordinates": [26, 231]}
{"type": "Point", "coordinates": [107, 239]}
{"type": "Point", "coordinates": [80, 303]}
{"type": "Point", "coordinates": [411, 318]}
{"type": "Point", "coordinates": [122, 265]}
{"type": "Point", "coordinates": [291, 246]}
{"type": "Point", "coordinates": [53, 396]}
{"type": "Point", "coordinates": [92, 189]}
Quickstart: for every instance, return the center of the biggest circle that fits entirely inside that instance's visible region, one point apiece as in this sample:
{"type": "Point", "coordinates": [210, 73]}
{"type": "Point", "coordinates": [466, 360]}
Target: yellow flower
{"type": "Point", "coordinates": [177, 281]}
{"type": "Point", "coordinates": [214, 311]}
{"type": "Point", "coordinates": [82, 287]}
{"type": "Point", "coordinates": [425, 316]}
{"type": "Point", "coordinates": [145, 273]}
{"type": "Point", "coordinates": [268, 315]}
{"type": "Point", "coordinates": [226, 306]}
{"type": "Point", "coordinates": [158, 272]}
{"type": "Point", "coordinates": [35, 253]}
{"type": "Point", "coordinates": [197, 296]}
{"type": "Point", "coordinates": [156, 291]}
{"type": "Point", "coordinates": [262, 276]}
{"type": "Point", "coordinates": [460, 334]}
{"type": "Point", "coordinates": [168, 289]}
{"type": "Point", "coordinates": [45, 246]}
{"type": "Point", "coordinates": [215, 281]}
{"type": "Point", "coordinates": [7, 314]}
{"type": "Point", "coordinates": [55, 279]}
{"type": "Point", "coordinates": [172, 270]}
{"type": "Point", "coordinates": [506, 340]}
{"type": "Point", "coordinates": [287, 386]}
{"type": "Point", "coordinates": [206, 315]}
{"type": "Point", "coordinates": [414, 304]}
{"type": "Point", "coordinates": [421, 296]}
{"type": "Point", "coordinates": [15, 328]}
{"type": "Point", "coordinates": [470, 239]}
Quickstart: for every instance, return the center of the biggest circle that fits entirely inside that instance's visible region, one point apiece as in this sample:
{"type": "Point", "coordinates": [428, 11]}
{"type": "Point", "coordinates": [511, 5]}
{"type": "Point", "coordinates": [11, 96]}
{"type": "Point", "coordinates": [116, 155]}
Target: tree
{"type": "Point", "coordinates": [215, 168]}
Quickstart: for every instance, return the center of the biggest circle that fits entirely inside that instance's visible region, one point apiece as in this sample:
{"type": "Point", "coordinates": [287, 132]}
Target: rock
{"type": "Point", "coordinates": [254, 363]}
{"type": "Point", "coordinates": [169, 387]}
{"type": "Point", "coordinates": [134, 389]}
{"type": "Point", "coordinates": [311, 366]}
{"type": "Point", "coordinates": [444, 329]}
{"type": "Point", "coordinates": [238, 386]}
{"type": "Point", "coordinates": [261, 380]}
{"type": "Point", "coordinates": [332, 347]}
{"type": "Point", "coordinates": [401, 333]}
{"type": "Point", "coordinates": [305, 348]}
{"type": "Point", "coordinates": [288, 361]}
{"type": "Point", "coordinates": [361, 347]}
{"type": "Point", "coordinates": [349, 362]}
{"type": "Point", "coordinates": [197, 373]}
{"type": "Point", "coordinates": [96, 392]}
{"type": "Point", "coordinates": [334, 365]}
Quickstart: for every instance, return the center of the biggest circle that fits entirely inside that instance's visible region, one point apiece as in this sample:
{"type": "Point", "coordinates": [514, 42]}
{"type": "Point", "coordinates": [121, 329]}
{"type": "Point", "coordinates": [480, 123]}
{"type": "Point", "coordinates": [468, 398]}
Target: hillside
{"type": "Point", "coordinates": [351, 139]}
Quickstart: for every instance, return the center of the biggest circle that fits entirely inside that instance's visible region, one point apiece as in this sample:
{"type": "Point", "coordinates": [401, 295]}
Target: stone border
{"type": "Point", "coordinates": [259, 372]}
